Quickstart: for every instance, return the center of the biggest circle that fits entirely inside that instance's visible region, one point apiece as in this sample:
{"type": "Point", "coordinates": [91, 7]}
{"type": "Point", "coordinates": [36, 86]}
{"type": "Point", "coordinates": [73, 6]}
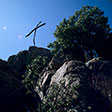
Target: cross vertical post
{"type": "Point", "coordinates": [34, 30]}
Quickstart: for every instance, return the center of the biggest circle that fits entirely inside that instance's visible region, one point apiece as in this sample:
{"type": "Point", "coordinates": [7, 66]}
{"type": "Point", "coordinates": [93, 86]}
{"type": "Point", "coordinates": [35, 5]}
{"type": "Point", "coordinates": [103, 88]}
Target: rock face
{"type": "Point", "coordinates": [102, 78]}
{"type": "Point", "coordinates": [13, 97]}
{"type": "Point", "coordinates": [11, 89]}
{"type": "Point", "coordinates": [22, 59]}
{"type": "Point", "coordinates": [46, 75]}
{"type": "Point", "coordinates": [75, 74]}
{"type": "Point", "coordinates": [67, 83]}
{"type": "Point", "coordinates": [67, 70]}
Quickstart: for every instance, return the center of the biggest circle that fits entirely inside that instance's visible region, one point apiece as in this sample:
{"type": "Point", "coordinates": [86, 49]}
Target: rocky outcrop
{"type": "Point", "coordinates": [87, 87]}
{"type": "Point", "coordinates": [75, 75]}
{"type": "Point", "coordinates": [68, 69]}
{"type": "Point", "coordinates": [22, 59]}
{"type": "Point", "coordinates": [13, 97]}
{"type": "Point", "coordinates": [101, 78]}
{"type": "Point", "coordinates": [11, 89]}
{"type": "Point", "coordinates": [46, 75]}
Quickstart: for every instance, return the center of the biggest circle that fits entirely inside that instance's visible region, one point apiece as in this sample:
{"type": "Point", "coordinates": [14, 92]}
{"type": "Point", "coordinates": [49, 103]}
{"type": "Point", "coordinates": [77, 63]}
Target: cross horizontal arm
{"type": "Point", "coordinates": [35, 29]}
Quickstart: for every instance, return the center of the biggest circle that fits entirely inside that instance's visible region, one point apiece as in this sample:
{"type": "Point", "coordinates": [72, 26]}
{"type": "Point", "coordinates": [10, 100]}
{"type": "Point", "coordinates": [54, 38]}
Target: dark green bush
{"type": "Point", "coordinates": [33, 72]}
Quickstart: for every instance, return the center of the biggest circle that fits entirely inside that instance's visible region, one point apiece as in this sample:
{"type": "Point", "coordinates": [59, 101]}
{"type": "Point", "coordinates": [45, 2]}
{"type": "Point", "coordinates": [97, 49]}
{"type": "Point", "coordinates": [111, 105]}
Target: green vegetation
{"type": "Point", "coordinates": [84, 32]}
{"type": "Point", "coordinates": [59, 99]}
{"type": "Point", "coordinates": [33, 72]}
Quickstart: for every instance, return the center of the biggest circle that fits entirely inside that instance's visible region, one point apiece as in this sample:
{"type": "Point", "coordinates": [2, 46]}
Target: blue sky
{"type": "Point", "coordinates": [18, 17]}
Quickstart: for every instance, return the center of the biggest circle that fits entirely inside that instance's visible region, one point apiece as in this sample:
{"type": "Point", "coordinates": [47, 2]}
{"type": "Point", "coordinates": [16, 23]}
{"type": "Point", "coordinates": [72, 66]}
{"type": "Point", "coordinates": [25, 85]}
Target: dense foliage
{"type": "Point", "coordinates": [85, 31]}
{"type": "Point", "coordinates": [33, 72]}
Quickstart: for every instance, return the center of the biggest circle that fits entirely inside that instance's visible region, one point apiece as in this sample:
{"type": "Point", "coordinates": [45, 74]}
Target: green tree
{"type": "Point", "coordinates": [85, 32]}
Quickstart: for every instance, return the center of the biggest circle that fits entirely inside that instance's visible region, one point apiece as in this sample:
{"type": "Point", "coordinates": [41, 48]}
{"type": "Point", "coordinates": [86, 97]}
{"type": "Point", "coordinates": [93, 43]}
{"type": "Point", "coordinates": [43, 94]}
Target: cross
{"type": "Point", "coordinates": [34, 30]}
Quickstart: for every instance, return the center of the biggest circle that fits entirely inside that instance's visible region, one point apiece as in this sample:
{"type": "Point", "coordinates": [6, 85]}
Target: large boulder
{"type": "Point", "coordinates": [101, 78]}
{"type": "Point", "coordinates": [76, 74]}
{"type": "Point", "coordinates": [11, 90]}
{"type": "Point", "coordinates": [20, 61]}
{"type": "Point", "coordinates": [68, 89]}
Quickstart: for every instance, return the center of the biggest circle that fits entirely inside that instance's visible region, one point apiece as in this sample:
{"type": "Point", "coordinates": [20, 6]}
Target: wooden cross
{"type": "Point", "coordinates": [34, 30]}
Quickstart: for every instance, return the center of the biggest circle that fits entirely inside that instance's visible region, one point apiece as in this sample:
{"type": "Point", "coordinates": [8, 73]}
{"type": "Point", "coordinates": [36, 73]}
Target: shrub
{"type": "Point", "coordinates": [33, 72]}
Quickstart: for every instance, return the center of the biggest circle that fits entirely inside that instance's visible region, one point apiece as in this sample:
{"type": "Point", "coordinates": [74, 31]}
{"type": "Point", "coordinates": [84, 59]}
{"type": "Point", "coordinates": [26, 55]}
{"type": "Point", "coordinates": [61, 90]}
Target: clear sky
{"type": "Point", "coordinates": [18, 17]}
